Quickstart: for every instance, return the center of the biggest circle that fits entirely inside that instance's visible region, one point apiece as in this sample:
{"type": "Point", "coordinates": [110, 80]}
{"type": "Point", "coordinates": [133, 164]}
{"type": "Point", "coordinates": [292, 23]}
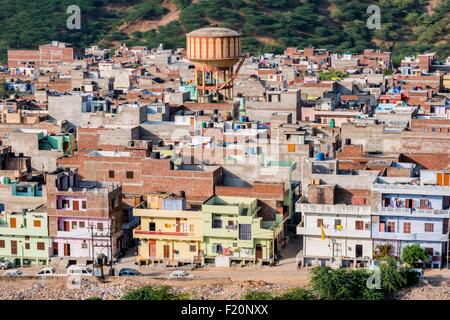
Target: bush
{"type": "Point", "coordinates": [94, 298]}
{"type": "Point", "coordinates": [414, 254]}
{"type": "Point", "coordinates": [153, 293]}
{"type": "Point", "coordinates": [297, 294]}
{"type": "Point", "coordinates": [392, 280]}
{"type": "Point", "coordinates": [257, 295]}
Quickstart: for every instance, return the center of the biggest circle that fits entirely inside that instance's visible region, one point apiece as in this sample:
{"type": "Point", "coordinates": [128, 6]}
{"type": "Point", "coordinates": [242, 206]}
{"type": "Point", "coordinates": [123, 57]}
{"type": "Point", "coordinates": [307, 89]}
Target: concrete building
{"type": "Point", "coordinates": [85, 217]}
{"type": "Point", "coordinates": [24, 238]}
{"type": "Point", "coordinates": [408, 213]}
{"type": "Point", "coordinates": [170, 232]}
{"type": "Point", "coordinates": [234, 233]}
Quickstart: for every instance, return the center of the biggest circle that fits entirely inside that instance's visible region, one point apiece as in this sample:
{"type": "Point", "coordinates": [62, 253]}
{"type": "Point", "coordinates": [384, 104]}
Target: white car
{"type": "Point", "coordinates": [13, 273]}
{"type": "Point", "coordinates": [79, 270]}
{"type": "Point", "coordinates": [419, 272]}
{"type": "Point", "coordinates": [47, 271]}
{"type": "Point", "coordinates": [180, 274]}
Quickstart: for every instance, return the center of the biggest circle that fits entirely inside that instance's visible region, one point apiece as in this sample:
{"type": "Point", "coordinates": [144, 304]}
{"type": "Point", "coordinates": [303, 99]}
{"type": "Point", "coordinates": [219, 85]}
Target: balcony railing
{"type": "Point", "coordinates": [413, 188]}
{"type": "Point", "coordinates": [417, 212]}
{"type": "Point", "coordinates": [333, 208]}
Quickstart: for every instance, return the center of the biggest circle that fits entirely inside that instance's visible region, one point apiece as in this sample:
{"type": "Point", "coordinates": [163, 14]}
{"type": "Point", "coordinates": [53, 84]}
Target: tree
{"type": "Point", "coordinates": [414, 254]}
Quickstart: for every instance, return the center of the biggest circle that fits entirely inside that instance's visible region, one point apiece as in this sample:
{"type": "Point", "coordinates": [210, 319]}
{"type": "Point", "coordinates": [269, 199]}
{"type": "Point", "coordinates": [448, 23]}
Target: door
{"type": "Point", "coordinates": [76, 205]}
{"type": "Point", "coordinates": [55, 248]}
{"type": "Point", "coordinates": [152, 248]}
{"type": "Point", "coordinates": [66, 225]}
{"type": "Point", "coordinates": [66, 249]}
{"type": "Point", "coordinates": [359, 250]}
{"type": "Point", "coordinates": [14, 247]}
{"type": "Point", "coordinates": [337, 250]}
{"type": "Point", "coordinates": [166, 251]}
{"type": "Point", "coordinates": [178, 224]}
{"type": "Point", "coordinates": [13, 223]}
{"type": "Point", "coordinates": [447, 179]}
{"type": "Point", "coordinates": [259, 253]}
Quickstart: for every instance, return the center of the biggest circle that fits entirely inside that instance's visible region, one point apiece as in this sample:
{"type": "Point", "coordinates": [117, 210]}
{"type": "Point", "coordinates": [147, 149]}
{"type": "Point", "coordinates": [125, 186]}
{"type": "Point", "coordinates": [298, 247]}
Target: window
{"type": "Point", "coordinates": [2, 243]}
{"type": "Point", "coordinates": [130, 174]}
{"type": "Point", "coordinates": [152, 226]}
{"type": "Point", "coordinates": [359, 225]}
{"type": "Point", "coordinates": [81, 224]}
{"type": "Point", "coordinates": [65, 204]}
{"type": "Point", "coordinates": [424, 203]}
{"type": "Point", "coordinates": [74, 224]}
{"type": "Point", "coordinates": [319, 223]}
{"type": "Point", "coordinates": [429, 227]}
{"type": "Point", "coordinates": [429, 251]}
{"type": "Point", "coordinates": [84, 245]}
{"type": "Point", "coordinates": [217, 224]}
{"type": "Point", "coordinates": [111, 173]}
{"type": "Point", "coordinates": [27, 246]}
{"type": "Point", "coordinates": [40, 245]}
{"type": "Point", "coordinates": [37, 223]}
{"type": "Point", "coordinates": [338, 224]}
{"type": "Point", "coordinates": [407, 227]}
{"type": "Point", "coordinates": [390, 226]}
{"type": "Point", "coordinates": [216, 248]}
{"type": "Point", "coordinates": [192, 248]}
{"type": "Point", "coordinates": [100, 226]}
{"type": "Point", "coordinates": [245, 231]}
{"type": "Point", "coordinates": [191, 228]}
{"type": "Point", "coordinates": [83, 204]}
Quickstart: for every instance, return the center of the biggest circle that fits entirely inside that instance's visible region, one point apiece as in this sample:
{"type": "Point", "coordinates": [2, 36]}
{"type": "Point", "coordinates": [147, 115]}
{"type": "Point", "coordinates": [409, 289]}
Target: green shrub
{"type": "Point", "coordinates": [94, 298]}
{"type": "Point", "coordinates": [414, 254]}
{"type": "Point", "coordinates": [153, 293]}
{"type": "Point", "coordinates": [257, 295]}
{"type": "Point", "coordinates": [297, 294]}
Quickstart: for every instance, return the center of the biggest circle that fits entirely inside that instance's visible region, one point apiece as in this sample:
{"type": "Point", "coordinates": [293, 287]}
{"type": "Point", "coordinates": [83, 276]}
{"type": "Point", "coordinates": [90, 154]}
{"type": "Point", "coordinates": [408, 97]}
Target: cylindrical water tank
{"type": "Point", "coordinates": [320, 156]}
{"type": "Point", "coordinates": [218, 47]}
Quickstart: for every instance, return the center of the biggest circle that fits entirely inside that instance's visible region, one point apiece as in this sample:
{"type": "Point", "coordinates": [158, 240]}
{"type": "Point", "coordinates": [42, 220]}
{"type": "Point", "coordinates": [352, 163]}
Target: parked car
{"type": "Point", "coordinates": [419, 272]}
{"type": "Point", "coordinates": [180, 274]}
{"type": "Point", "coordinates": [79, 270]}
{"type": "Point", "coordinates": [129, 272]}
{"type": "Point", "coordinates": [47, 271]}
{"type": "Point", "coordinates": [13, 273]}
{"type": "Point", "coordinates": [5, 264]}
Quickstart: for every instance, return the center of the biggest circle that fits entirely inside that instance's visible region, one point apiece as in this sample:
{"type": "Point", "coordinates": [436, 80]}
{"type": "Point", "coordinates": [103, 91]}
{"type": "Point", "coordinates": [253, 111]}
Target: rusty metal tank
{"type": "Point", "coordinates": [214, 47]}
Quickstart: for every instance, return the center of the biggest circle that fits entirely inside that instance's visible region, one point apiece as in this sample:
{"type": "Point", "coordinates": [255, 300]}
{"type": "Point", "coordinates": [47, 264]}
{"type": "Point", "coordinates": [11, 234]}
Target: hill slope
{"type": "Point", "coordinates": [407, 26]}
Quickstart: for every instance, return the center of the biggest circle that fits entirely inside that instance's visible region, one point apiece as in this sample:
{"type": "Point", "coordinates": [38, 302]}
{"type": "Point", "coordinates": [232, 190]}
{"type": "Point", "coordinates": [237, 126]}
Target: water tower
{"type": "Point", "coordinates": [214, 52]}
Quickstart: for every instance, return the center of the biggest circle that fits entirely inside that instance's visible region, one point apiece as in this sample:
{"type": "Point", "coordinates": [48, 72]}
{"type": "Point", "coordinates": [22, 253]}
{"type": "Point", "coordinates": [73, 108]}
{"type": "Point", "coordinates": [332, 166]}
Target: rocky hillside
{"type": "Point", "coordinates": [407, 26]}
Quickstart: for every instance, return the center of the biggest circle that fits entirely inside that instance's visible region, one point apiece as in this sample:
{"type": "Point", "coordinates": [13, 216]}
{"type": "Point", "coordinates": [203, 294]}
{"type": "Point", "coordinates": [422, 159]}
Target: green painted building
{"type": "Point", "coordinates": [24, 237]}
{"type": "Point", "coordinates": [62, 142]}
{"type": "Point", "coordinates": [232, 230]}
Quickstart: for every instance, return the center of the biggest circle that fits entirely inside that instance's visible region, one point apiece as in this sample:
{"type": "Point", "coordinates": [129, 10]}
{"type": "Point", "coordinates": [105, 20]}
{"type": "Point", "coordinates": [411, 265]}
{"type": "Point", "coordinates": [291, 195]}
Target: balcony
{"type": "Point", "coordinates": [429, 236]}
{"type": "Point", "coordinates": [333, 209]}
{"type": "Point", "coordinates": [331, 232]}
{"type": "Point", "coordinates": [411, 189]}
{"type": "Point", "coordinates": [409, 212]}
{"type": "Point", "coordinates": [144, 234]}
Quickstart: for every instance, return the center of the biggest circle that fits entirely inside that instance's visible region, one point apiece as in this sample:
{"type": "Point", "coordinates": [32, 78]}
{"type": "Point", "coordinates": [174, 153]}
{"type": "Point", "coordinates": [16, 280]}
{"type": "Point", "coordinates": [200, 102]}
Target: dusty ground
{"type": "Point", "coordinates": [208, 283]}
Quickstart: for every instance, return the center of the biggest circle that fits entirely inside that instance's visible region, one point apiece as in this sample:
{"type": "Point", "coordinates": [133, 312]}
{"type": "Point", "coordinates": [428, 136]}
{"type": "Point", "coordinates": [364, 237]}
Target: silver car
{"type": "Point", "coordinates": [6, 264]}
{"type": "Point", "coordinates": [13, 273]}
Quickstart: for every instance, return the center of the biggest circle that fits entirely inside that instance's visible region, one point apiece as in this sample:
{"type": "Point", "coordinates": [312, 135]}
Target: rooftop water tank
{"type": "Point", "coordinates": [320, 156]}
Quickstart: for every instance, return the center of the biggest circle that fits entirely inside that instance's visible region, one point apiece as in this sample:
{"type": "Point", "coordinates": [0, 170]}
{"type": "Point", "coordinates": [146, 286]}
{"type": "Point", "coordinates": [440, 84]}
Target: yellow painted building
{"type": "Point", "coordinates": [446, 81]}
{"type": "Point", "coordinates": [169, 232]}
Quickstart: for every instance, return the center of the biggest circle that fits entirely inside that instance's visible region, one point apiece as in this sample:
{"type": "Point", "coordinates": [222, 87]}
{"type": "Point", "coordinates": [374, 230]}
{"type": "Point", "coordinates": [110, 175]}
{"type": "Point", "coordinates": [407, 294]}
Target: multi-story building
{"type": "Point", "coordinates": [170, 231]}
{"type": "Point", "coordinates": [234, 233]}
{"type": "Point", "coordinates": [24, 237]}
{"type": "Point", "coordinates": [335, 233]}
{"type": "Point", "coordinates": [410, 212]}
{"type": "Point", "coordinates": [85, 217]}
